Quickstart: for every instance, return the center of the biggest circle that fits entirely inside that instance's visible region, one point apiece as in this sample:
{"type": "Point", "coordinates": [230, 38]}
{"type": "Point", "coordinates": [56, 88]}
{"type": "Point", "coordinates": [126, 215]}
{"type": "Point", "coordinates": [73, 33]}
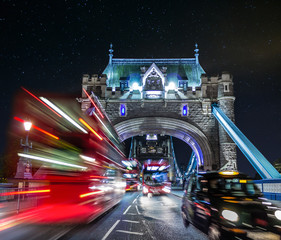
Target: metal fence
{"type": "Point", "coordinates": [14, 200]}
{"type": "Point", "coordinates": [271, 188]}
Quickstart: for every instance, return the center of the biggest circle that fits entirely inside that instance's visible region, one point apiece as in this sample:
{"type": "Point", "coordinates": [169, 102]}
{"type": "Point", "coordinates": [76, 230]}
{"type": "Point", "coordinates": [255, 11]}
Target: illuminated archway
{"type": "Point", "coordinates": [186, 132]}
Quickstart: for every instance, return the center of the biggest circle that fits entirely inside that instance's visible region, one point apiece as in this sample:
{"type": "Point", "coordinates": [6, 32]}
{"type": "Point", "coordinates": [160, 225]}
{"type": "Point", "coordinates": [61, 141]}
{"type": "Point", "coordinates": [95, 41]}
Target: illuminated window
{"type": "Point", "coordinates": [226, 87]}
{"type": "Point", "coordinates": [123, 110]}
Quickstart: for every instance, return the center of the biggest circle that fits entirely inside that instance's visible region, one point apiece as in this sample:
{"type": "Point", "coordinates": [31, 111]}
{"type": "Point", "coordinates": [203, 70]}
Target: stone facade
{"type": "Point", "coordinates": [194, 91]}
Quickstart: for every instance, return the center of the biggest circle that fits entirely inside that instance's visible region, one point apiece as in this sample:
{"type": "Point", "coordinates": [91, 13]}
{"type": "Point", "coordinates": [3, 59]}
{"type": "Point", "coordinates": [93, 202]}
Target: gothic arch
{"type": "Point", "coordinates": [188, 133]}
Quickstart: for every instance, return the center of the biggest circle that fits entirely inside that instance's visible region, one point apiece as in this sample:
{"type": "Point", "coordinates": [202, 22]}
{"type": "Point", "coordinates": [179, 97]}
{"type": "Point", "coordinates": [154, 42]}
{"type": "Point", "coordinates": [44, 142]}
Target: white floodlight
{"type": "Point", "coordinates": [135, 86]}
{"type": "Point", "coordinates": [172, 86]}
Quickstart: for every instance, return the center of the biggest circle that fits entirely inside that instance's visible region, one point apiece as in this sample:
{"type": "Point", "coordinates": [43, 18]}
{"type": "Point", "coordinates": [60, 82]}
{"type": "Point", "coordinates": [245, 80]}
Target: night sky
{"type": "Point", "coordinates": [49, 45]}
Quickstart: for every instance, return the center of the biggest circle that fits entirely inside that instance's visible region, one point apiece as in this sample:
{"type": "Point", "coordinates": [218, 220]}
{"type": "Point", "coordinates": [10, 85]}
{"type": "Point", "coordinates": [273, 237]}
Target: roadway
{"type": "Point", "coordinates": [135, 217]}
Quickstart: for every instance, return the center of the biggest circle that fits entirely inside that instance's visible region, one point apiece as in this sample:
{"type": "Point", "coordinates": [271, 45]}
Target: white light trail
{"type": "Point", "coordinates": [50, 161]}
{"type": "Point", "coordinates": [86, 158]}
{"type": "Point", "coordinates": [63, 114]}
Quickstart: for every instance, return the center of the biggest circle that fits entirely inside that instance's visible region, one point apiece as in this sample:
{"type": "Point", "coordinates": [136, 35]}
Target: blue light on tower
{"type": "Point", "coordinates": [184, 110]}
{"type": "Point", "coordinates": [123, 110]}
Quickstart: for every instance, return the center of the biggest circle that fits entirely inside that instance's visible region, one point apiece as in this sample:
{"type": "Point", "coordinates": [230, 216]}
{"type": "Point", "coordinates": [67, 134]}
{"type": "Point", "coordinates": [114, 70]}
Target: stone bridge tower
{"type": "Point", "coordinates": [168, 97]}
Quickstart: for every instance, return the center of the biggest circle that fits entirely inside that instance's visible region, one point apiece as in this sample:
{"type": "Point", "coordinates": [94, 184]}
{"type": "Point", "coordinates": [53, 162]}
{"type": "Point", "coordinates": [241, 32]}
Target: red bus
{"type": "Point", "coordinates": [155, 178]}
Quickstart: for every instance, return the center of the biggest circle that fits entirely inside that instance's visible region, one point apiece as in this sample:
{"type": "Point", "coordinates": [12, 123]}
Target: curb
{"type": "Point", "coordinates": [176, 195]}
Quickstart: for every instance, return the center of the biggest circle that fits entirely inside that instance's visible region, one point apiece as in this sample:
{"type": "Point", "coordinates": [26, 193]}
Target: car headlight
{"type": "Point", "coordinates": [230, 215]}
{"type": "Point", "coordinates": [144, 189]}
{"type": "Point", "coordinates": [277, 214]}
{"type": "Point", "coordinates": [166, 189]}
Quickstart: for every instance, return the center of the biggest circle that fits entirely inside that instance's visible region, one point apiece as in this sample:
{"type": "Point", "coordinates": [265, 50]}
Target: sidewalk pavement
{"type": "Point", "coordinates": [177, 192]}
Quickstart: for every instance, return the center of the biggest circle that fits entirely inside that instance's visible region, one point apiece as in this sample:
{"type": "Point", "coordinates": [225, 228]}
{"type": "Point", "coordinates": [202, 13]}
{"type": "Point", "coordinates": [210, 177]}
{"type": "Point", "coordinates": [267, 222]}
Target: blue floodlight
{"type": "Point", "coordinates": [123, 110]}
{"type": "Point", "coordinates": [184, 110]}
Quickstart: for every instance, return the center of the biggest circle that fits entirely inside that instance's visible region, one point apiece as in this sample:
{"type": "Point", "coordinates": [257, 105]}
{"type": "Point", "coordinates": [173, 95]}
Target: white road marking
{"type": "Point", "coordinates": [110, 230]}
{"type": "Point", "coordinates": [135, 200]}
{"type": "Point", "coordinates": [127, 210]}
{"type": "Point", "coordinates": [130, 221]}
{"type": "Point", "coordinates": [136, 233]}
{"type": "Point", "coordinates": [148, 229]}
{"type": "Point", "coordinates": [131, 214]}
{"type": "Point", "coordinates": [137, 209]}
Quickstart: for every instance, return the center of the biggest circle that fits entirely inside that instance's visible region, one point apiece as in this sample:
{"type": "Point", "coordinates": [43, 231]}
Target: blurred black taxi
{"type": "Point", "coordinates": [228, 205]}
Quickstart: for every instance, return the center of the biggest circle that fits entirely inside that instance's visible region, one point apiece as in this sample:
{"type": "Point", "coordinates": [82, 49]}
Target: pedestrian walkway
{"type": "Point", "coordinates": [177, 192]}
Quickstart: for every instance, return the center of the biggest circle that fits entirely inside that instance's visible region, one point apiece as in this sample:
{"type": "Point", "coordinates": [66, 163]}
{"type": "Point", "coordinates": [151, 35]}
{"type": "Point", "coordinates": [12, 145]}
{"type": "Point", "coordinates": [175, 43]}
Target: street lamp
{"type": "Point", "coordinates": [24, 165]}
{"type": "Point", "coordinates": [27, 125]}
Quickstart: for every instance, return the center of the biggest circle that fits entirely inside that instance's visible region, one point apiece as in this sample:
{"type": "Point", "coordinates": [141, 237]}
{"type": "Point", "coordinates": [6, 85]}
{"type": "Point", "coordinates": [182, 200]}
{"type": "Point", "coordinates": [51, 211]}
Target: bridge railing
{"type": "Point", "coordinates": [271, 188]}
{"type": "Point", "coordinates": [14, 200]}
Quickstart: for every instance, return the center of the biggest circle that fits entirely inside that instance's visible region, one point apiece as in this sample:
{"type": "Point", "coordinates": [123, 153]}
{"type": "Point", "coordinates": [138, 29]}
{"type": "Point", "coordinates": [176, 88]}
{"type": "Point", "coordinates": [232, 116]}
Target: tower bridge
{"type": "Point", "coordinates": [169, 97]}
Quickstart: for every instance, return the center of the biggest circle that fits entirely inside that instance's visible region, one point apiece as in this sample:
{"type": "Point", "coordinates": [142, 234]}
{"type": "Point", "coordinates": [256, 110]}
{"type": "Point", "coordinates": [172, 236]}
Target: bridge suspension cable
{"type": "Point", "coordinates": [255, 157]}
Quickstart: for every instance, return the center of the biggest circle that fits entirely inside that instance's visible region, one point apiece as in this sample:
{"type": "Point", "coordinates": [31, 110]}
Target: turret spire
{"type": "Point", "coordinates": [196, 50]}
{"type": "Point", "coordinates": [110, 53]}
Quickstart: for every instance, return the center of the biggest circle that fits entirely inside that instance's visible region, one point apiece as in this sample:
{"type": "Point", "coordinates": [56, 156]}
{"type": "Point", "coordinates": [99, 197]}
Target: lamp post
{"type": "Point", "coordinates": [24, 165]}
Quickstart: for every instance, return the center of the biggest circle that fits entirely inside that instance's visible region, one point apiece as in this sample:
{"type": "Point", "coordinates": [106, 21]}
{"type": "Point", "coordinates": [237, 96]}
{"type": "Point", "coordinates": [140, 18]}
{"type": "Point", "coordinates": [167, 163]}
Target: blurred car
{"type": "Point", "coordinates": [228, 205]}
{"type": "Point", "coordinates": [132, 185]}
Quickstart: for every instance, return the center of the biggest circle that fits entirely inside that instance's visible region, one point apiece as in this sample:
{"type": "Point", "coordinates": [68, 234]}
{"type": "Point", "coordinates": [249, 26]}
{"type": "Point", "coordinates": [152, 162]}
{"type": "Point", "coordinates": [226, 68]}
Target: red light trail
{"type": "Point", "coordinates": [93, 103]}
{"type": "Point", "coordinates": [37, 128]}
{"type": "Point", "coordinates": [40, 101]}
{"type": "Point", "coordinates": [24, 192]}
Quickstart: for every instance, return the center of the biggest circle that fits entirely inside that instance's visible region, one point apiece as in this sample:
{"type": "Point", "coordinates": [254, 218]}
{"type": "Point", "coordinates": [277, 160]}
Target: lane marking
{"type": "Point", "coordinates": [137, 210]}
{"type": "Point", "coordinates": [110, 230]}
{"type": "Point", "coordinates": [60, 234]}
{"type": "Point", "coordinates": [136, 233]}
{"type": "Point", "coordinates": [127, 210]}
{"type": "Point", "coordinates": [131, 214]}
{"type": "Point", "coordinates": [130, 221]}
{"type": "Point", "coordinates": [135, 200]}
{"type": "Point", "coordinates": [148, 229]}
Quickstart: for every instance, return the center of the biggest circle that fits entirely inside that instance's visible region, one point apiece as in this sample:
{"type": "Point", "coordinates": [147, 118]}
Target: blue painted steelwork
{"type": "Point", "coordinates": [191, 165]}
{"type": "Point", "coordinates": [273, 184]}
{"type": "Point", "coordinates": [131, 147]}
{"type": "Point", "coordinates": [178, 172]}
{"type": "Point", "coordinates": [258, 161]}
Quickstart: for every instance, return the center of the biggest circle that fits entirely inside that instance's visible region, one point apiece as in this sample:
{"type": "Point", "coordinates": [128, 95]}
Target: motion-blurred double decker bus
{"type": "Point", "coordinates": [75, 163]}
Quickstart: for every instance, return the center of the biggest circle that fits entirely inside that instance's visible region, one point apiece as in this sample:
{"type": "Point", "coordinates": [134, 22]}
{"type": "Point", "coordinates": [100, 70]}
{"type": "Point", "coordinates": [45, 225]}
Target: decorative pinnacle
{"type": "Point", "coordinates": [196, 50]}
{"type": "Point", "coordinates": [110, 53]}
{"type": "Point", "coordinates": [111, 50]}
